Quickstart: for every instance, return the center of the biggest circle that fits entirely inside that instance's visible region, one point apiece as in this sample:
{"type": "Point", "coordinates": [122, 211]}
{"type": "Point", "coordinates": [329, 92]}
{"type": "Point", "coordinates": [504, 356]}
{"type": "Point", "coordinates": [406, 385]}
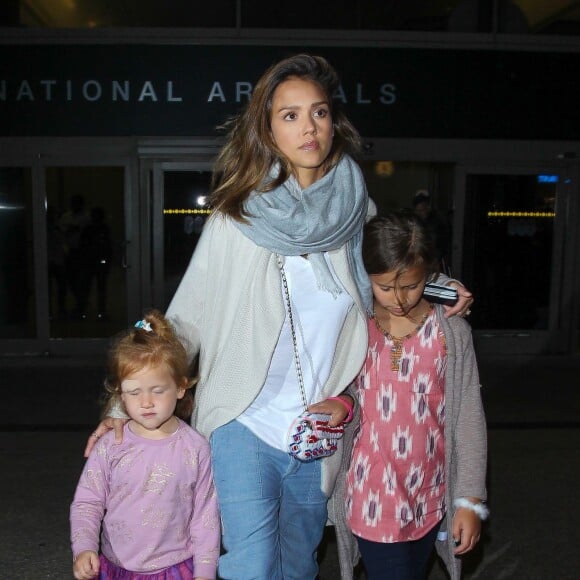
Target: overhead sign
{"type": "Point", "coordinates": [163, 90]}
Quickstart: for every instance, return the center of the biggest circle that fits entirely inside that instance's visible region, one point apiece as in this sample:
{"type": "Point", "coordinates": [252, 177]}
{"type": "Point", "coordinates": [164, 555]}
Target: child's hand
{"type": "Point", "coordinates": [338, 411]}
{"type": "Point", "coordinates": [466, 530]}
{"type": "Point", "coordinates": [103, 427]}
{"type": "Point", "coordinates": [86, 565]}
{"type": "Point", "coordinates": [465, 300]}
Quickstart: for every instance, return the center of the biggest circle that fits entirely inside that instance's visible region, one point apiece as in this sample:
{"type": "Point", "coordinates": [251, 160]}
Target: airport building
{"type": "Point", "coordinates": [109, 126]}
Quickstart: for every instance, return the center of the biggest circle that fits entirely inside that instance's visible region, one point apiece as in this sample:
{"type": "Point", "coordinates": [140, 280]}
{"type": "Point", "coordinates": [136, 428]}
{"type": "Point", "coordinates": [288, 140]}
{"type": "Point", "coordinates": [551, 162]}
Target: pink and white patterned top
{"type": "Point", "coordinates": [396, 480]}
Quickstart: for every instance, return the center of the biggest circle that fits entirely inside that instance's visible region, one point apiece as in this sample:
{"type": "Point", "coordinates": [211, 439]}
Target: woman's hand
{"type": "Point", "coordinates": [86, 565]}
{"type": "Point", "coordinates": [104, 427]}
{"type": "Point", "coordinates": [338, 411]}
{"type": "Point", "coordinates": [462, 308]}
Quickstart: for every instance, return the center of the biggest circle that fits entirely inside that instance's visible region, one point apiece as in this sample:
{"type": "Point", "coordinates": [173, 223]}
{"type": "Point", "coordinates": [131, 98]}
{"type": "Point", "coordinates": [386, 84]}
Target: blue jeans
{"type": "Point", "coordinates": [272, 508]}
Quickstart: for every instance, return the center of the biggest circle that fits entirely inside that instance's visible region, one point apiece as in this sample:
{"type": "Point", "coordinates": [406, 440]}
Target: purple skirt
{"type": "Point", "coordinates": [181, 571]}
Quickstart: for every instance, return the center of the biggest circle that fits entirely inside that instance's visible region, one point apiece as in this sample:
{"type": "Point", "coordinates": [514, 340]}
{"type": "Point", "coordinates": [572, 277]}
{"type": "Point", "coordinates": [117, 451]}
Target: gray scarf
{"type": "Point", "coordinates": [291, 221]}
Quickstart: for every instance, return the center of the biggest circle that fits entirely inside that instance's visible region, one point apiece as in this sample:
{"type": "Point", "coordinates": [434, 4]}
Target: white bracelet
{"type": "Point", "coordinates": [479, 508]}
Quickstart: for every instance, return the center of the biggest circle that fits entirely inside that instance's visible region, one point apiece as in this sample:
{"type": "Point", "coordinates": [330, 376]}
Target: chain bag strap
{"type": "Point", "coordinates": [310, 436]}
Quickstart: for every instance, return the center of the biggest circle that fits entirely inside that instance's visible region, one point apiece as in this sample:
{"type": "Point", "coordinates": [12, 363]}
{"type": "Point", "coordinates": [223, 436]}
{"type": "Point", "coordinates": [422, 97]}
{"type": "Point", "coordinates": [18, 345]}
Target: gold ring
{"type": "Point", "coordinates": [95, 435]}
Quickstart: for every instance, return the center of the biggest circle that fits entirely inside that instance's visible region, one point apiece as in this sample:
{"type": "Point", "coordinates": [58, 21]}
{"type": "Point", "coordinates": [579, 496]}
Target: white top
{"type": "Point", "coordinates": [229, 307]}
{"type": "Point", "coordinates": [280, 402]}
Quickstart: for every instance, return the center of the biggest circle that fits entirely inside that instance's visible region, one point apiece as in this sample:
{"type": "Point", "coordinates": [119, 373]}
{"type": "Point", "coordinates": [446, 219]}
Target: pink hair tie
{"type": "Point", "coordinates": [347, 405]}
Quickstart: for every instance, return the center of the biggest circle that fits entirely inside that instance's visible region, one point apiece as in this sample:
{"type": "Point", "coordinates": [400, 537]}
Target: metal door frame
{"type": "Point", "coordinates": [153, 177]}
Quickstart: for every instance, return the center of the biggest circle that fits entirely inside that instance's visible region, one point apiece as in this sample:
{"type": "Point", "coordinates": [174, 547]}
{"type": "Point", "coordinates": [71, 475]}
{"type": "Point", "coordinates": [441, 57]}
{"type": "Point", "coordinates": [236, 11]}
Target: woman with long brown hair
{"type": "Point", "coordinates": [274, 301]}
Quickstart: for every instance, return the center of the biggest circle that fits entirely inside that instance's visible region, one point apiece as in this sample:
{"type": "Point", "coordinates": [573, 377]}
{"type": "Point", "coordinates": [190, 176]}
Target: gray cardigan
{"type": "Point", "coordinates": [465, 446]}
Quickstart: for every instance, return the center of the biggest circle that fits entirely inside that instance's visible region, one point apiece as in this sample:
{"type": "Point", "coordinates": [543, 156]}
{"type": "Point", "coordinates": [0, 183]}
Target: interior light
{"type": "Point", "coordinates": [384, 168]}
{"type": "Point", "coordinates": [547, 178]}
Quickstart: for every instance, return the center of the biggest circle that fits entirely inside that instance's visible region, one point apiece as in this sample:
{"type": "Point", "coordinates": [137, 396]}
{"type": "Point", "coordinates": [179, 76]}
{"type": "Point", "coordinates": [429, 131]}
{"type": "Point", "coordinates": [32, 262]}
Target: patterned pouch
{"type": "Point", "coordinates": [310, 437]}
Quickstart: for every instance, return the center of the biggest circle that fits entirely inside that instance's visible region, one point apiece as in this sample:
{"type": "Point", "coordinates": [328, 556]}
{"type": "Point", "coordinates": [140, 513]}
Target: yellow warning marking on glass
{"type": "Point", "coordinates": [186, 211]}
{"type": "Point", "coordinates": [531, 214]}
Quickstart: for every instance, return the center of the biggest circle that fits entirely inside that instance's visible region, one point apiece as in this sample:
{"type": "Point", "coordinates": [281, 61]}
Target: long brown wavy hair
{"type": "Point", "coordinates": [250, 150]}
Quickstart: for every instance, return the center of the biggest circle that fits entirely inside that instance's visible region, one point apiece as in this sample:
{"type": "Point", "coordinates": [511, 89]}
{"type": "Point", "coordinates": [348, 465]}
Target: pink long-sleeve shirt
{"type": "Point", "coordinates": [155, 499]}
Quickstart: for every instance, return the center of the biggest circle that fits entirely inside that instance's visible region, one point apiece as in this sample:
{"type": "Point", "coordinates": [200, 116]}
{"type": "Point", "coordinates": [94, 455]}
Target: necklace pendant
{"type": "Point", "coordinates": [396, 348]}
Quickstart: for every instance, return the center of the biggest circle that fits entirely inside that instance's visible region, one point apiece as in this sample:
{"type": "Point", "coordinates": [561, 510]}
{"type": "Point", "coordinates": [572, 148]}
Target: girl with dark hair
{"type": "Point", "coordinates": [417, 474]}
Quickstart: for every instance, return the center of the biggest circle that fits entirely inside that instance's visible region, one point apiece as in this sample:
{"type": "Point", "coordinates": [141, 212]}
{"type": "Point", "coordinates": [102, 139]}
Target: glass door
{"type": "Point", "coordinates": [426, 188]}
{"type": "Point", "coordinates": [86, 249]}
{"type": "Point", "coordinates": [180, 208]}
{"type": "Point", "coordinates": [18, 292]}
{"type": "Point", "coordinates": [68, 269]}
{"type": "Point", "coordinates": [510, 255]}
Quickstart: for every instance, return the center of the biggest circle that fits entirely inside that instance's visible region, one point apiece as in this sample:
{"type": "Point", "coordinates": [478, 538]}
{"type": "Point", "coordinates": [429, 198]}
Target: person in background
{"type": "Point", "coordinates": [72, 223]}
{"type": "Point", "coordinates": [274, 301]}
{"type": "Point", "coordinates": [56, 254]}
{"type": "Point", "coordinates": [418, 468]}
{"type": "Point", "coordinates": [97, 247]}
{"type": "Point", "coordinates": [151, 499]}
{"type": "Point", "coordinates": [436, 225]}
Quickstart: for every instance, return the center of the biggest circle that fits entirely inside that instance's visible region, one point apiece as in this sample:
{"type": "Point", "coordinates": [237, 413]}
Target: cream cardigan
{"type": "Point", "coordinates": [229, 308]}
